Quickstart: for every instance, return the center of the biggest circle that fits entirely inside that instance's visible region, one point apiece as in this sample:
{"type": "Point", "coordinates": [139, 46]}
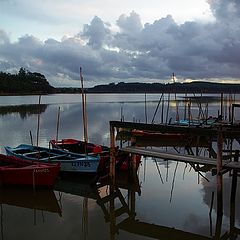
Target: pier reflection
{"type": "Point", "coordinates": [119, 205]}
{"type": "Point", "coordinates": [132, 224]}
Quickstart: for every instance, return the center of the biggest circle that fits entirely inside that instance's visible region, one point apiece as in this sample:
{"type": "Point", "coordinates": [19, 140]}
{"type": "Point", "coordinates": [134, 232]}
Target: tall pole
{"type": "Point", "coordinates": [221, 107]}
{"type": "Point", "coordinates": [219, 185]}
{"type": "Point", "coordinates": [233, 197]}
{"type": "Point", "coordinates": [145, 105]}
{"type": "Point", "coordinates": [84, 112]}
{"type": "Point", "coordinates": [38, 120]}
{"type": "Point", "coordinates": [112, 155]}
{"type": "Point", "coordinates": [58, 121]}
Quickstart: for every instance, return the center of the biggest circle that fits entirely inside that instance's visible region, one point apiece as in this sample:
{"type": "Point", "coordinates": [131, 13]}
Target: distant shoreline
{"type": "Point", "coordinates": [88, 92]}
{"type": "Point", "coordinates": [33, 83]}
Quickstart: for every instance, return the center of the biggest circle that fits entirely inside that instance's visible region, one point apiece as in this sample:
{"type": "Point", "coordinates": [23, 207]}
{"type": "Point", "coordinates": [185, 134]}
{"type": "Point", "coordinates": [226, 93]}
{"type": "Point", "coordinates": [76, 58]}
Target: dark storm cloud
{"type": "Point", "coordinates": [135, 52]}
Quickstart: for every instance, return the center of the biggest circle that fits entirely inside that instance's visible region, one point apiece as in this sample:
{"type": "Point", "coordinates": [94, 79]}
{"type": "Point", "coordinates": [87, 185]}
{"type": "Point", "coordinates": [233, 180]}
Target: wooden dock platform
{"type": "Point", "coordinates": [180, 157]}
{"type": "Point", "coordinates": [218, 134]}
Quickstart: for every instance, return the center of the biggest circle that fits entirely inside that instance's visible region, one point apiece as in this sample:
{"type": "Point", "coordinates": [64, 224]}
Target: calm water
{"type": "Point", "coordinates": [169, 201]}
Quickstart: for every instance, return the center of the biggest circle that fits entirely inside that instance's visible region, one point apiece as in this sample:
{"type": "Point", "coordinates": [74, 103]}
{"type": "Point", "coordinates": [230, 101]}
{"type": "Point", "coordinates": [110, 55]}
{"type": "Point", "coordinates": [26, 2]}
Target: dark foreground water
{"type": "Point", "coordinates": [169, 200]}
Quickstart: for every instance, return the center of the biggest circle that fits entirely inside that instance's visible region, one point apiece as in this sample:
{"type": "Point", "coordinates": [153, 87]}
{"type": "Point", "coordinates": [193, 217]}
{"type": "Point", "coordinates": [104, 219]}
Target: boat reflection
{"type": "Point", "coordinates": [118, 203]}
{"type": "Point", "coordinates": [43, 200]}
{"type": "Point", "coordinates": [38, 199]}
{"type": "Point", "coordinates": [120, 211]}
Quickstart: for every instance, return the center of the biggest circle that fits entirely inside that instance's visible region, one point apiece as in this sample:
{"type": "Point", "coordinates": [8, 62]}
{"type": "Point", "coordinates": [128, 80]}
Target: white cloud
{"type": "Point", "coordinates": [135, 51]}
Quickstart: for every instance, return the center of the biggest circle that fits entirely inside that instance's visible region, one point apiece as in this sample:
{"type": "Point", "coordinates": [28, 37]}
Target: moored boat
{"type": "Point", "coordinates": [70, 162]}
{"type": "Point", "coordinates": [77, 146]}
{"type": "Point", "coordinates": [15, 171]}
{"type": "Point", "coordinates": [158, 135]}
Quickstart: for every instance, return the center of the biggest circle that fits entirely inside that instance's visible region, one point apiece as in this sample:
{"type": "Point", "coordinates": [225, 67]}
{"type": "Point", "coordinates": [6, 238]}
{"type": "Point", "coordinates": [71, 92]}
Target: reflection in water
{"type": "Point", "coordinates": [120, 207]}
{"type": "Point", "coordinates": [38, 199]}
{"type": "Point", "coordinates": [23, 110]}
{"type": "Point", "coordinates": [133, 225]}
{"type": "Point", "coordinates": [43, 200]}
{"type": "Point", "coordinates": [169, 201]}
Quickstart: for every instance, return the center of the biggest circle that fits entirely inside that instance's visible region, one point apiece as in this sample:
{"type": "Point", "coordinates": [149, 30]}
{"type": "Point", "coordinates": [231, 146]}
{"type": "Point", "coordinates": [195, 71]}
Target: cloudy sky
{"type": "Point", "coordinates": [121, 40]}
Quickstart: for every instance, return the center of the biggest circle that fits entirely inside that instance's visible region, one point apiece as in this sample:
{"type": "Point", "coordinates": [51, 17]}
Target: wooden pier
{"type": "Point", "coordinates": [220, 159]}
{"type": "Point", "coordinates": [181, 157]}
{"type": "Point", "coordinates": [217, 133]}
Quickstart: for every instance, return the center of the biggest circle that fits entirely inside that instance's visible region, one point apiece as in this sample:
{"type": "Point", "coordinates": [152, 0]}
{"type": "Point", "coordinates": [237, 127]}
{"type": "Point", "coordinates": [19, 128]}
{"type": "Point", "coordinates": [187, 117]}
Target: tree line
{"type": "Point", "coordinates": [192, 87]}
{"type": "Point", "coordinates": [24, 82]}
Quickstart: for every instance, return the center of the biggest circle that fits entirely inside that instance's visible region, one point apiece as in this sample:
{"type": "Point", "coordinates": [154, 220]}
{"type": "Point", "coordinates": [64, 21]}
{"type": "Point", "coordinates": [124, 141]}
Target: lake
{"type": "Point", "coordinates": [170, 200]}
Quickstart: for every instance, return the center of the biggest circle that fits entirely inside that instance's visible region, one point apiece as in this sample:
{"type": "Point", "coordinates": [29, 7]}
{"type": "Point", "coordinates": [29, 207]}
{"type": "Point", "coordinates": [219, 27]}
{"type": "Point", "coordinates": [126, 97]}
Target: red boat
{"type": "Point", "coordinates": [159, 135]}
{"type": "Point", "coordinates": [78, 146]}
{"type": "Point", "coordinates": [15, 171]}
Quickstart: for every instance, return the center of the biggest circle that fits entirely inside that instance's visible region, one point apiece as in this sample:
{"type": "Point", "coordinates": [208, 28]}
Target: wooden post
{"type": "Point", "coordinates": [134, 166]}
{"type": "Point", "coordinates": [168, 103]}
{"type": "Point", "coordinates": [31, 138]}
{"type": "Point", "coordinates": [185, 107]}
{"type": "Point", "coordinates": [189, 113]}
{"type": "Point", "coordinates": [232, 114]}
{"type": "Point", "coordinates": [219, 152]}
{"type": "Point", "coordinates": [38, 120]}
{"type": "Point", "coordinates": [145, 108]}
{"type": "Point", "coordinates": [219, 186]}
{"type": "Point", "coordinates": [132, 204]}
{"type": "Point", "coordinates": [162, 109]}
{"type": "Point", "coordinates": [58, 121]}
{"type": "Point", "coordinates": [221, 107]}
{"type": "Point", "coordinates": [112, 156]}
{"type": "Point", "coordinates": [112, 212]}
{"type": "Point", "coordinates": [84, 112]}
{"type": "Point", "coordinates": [233, 196]}
{"type": "Point", "coordinates": [177, 113]}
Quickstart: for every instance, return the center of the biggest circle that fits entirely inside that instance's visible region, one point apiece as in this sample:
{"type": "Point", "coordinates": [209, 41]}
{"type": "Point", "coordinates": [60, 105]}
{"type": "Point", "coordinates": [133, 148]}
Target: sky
{"type": "Point", "coordinates": [121, 41]}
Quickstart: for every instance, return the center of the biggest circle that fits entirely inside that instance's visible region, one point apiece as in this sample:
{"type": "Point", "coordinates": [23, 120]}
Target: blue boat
{"type": "Point", "coordinates": [70, 162]}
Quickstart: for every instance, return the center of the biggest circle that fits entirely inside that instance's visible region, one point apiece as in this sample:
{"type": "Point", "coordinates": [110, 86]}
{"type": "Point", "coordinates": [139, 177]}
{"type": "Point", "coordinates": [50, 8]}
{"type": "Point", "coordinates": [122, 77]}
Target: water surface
{"type": "Point", "coordinates": [168, 198]}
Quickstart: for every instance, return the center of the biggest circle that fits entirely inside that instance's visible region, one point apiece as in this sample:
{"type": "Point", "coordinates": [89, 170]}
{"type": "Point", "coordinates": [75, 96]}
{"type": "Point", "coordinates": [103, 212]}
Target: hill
{"type": "Point", "coordinates": [26, 82]}
{"type": "Point", "coordinates": [197, 87]}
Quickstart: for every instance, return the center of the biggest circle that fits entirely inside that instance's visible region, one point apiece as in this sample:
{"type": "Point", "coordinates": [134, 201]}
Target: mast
{"type": "Point", "coordinates": [84, 113]}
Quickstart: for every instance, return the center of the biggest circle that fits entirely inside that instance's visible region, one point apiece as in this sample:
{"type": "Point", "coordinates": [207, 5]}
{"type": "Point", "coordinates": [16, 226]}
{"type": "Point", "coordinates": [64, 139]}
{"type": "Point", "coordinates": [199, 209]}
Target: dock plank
{"type": "Point", "coordinates": [180, 157]}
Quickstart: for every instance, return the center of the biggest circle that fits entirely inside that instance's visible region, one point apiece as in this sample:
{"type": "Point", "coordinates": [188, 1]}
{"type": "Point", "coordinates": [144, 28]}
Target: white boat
{"type": "Point", "coordinates": [70, 162]}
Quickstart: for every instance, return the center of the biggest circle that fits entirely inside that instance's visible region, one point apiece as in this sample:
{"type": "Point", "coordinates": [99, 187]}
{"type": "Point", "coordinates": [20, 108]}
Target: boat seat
{"type": "Point", "coordinates": [54, 157]}
{"type": "Point", "coordinates": [34, 152]}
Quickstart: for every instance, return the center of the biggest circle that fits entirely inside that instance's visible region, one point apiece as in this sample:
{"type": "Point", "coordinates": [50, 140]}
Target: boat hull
{"type": "Point", "coordinates": [69, 162]}
{"type": "Point", "coordinates": [14, 171]}
{"type": "Point", "coordinates": [78, 146]}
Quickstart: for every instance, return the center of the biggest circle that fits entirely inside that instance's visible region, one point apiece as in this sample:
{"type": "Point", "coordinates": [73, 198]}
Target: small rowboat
{"type": "Point", "coordinates": [70, 162]}
{"type": "Point", "coordinates": [15, 171]}
{"type": "Point", "coordinates": [78, 146]}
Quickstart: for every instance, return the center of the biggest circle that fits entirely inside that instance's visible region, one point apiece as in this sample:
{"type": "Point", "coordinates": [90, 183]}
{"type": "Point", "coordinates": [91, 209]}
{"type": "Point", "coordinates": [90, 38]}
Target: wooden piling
{"type": "Point", "coordinates": [145, 108]}
{"type": "Point", "coordinates": [221, 106]}
{"type": "Point", "coordinates": [84, 112]}
{"type": "Point", "coordinates": [38, 120]}
{"type": "Point", "coordinates": [58, 122]}
{"type": "Point", "coordinates": [233, 196]}
{"type": "Point", "coordinates": [112, 156]}
{"type": "Point", "coordinates": [219, 185]}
